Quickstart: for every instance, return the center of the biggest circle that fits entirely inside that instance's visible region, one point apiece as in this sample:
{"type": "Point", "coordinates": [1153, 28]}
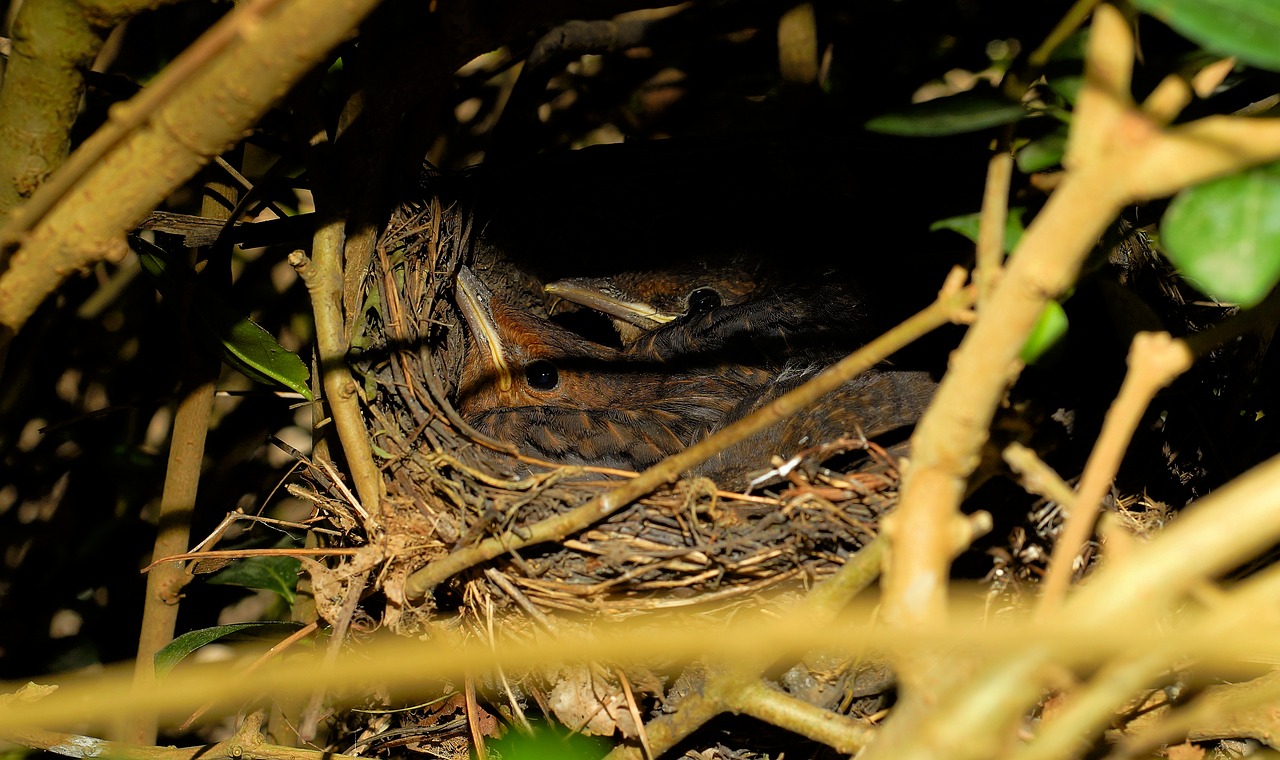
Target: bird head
{"type": "Point", "coordinates": [516, 359]}
{"type": "Point", "coordinates": [639, 302]}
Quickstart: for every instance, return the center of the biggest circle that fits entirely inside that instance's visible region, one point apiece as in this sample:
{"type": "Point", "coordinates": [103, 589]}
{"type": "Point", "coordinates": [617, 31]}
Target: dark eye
{"type": "Point", "coordinates": [542, 375]}
{"type": "Point", "coordinates": [703, 299]}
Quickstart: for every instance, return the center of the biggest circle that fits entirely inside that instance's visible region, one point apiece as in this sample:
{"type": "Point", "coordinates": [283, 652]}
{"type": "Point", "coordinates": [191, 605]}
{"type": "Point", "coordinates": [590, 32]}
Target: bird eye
{"type": "Point", "coordinates": [703, 299]}
{"type": "Point", "coordinates": [542, 375]}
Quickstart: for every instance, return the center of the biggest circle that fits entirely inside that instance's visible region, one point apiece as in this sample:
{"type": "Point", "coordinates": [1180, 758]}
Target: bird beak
{"type": "Point", "coordinates": [585, 292]}
{"type": "Point", "coordinates": [475, 300]}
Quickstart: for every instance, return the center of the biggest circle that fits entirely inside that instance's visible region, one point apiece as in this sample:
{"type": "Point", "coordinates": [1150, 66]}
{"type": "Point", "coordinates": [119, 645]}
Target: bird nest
{"type": "Point", "coordinates": [450, 488]}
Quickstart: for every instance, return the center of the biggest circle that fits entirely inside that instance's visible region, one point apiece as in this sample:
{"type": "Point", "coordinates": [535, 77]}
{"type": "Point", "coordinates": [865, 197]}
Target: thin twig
{"type": "Point", "coordinates": [1064, 29]}
{"type": "Point", "coordinates": [323, 277]}
{"type": "Point", "coordinates": [995, 213]}
{"type": "Point", "coordinates": [177, 511]}
{"type": "Point", "coordinates": [1038, 477]}
{"type": "Point", "coordinates": [242, 553]}
{"type": "Point", "coordinates": [1155, 360]}
{"type": "Point", "coordinates": [842, 733]}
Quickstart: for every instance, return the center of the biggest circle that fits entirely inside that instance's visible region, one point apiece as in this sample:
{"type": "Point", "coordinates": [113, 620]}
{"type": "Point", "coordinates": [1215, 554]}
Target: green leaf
{"type": "Point", "coordinates": [178, 649]}
{"type": "Point", "coordinates": [1042, 153]}
{"type": "Point", "coordinates": [237, 339]}
{"type": "Point", "coordinates": [1067, 87]}
{"type": "Point", "coordinates": [1247, 29]}
{"type": "Point", "coordinates": [1050, 328]}
{"type": "Point", "coordinates": [1224, 235]}
{"type": "Point", "coordinates": [967, 112]}
{"type": "Point", "coordinates": [967, 225]}
{"type": "Point", "coordinates": [278, 574]}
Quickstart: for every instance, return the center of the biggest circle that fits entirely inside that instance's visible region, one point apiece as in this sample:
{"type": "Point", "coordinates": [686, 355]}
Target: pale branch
{"type": "Point", "coordinates": [843, 733]}
{"type": "Point", "coordinates": [1223, 711]}
{"type": "Point", "coordinates": [1093, 706]}
{"type": "Point", "coordinates": [1155, 360]}
{"type": "Point", "coordinates": [322, 275]}
{"type": "Point", "coordinates": [1079, 639]}
{"type": "Point", "coordinates": [1116, 155]}
{"type": "Point", "coordinates": [53, 46]}
{"type": "Point", "coordinates": [948, 441]}
{"type": "Point", "coordinates": [1037, 477]}
{"type": "Point", "coordinates": [974, 717]}
{"type": "Point", "coordinates": [178, 499]}
{"type": "Point", "coordinates": [138, 165]}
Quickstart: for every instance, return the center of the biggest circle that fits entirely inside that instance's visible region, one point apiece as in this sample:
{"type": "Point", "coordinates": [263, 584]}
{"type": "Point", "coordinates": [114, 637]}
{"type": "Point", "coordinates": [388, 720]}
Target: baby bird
{"type": "Point", "coordinates": [637, 302]}
{"type": "Point", "coordinates": [790, 330]}
{"type": "Point", "coordinates": [724, 313]}
{"type": "Point", "coordinates": [557, 396]}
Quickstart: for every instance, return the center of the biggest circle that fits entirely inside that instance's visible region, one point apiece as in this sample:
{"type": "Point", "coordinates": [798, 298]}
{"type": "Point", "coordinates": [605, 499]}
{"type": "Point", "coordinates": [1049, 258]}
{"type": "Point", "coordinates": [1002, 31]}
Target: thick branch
{"type": "Point", "coordinates": [54, 43]}
{"type": "Point", "coordinates": [53, 46]}
{"type": "Point", "coordinates": [221, 98]}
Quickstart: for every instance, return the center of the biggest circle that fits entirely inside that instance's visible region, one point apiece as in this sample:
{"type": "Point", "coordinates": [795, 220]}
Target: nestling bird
{"type": "Point", "coordinates": [639, 301]}
{"type": "Point", "coordinates": [873, 404]}
{"type": "Point", "coordinates": [530, 382]}
{"type": "Point", "coordinates": [733, 312]}
{"type": "Point", "coordinates": [556, 395]}
{"type": "Point", "coordinates": [736, 314]}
